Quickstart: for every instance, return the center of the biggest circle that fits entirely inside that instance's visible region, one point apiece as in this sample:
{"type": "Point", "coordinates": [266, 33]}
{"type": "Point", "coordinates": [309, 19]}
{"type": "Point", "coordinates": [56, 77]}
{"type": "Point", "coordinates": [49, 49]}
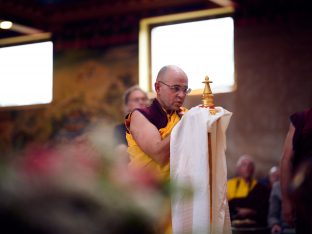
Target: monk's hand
{"type": "Point", "coordinates": [245, 212]}
{"type": "Point", "coordinates": [276, 229]}
{"type": "Point", "coordinates": [181, 112]}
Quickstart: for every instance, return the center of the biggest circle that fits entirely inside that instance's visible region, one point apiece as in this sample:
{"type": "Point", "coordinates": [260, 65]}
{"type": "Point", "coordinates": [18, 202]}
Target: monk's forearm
{"type": "Point", "coordinates": [285, 163]}
{"type": "Point", "coordinates": [160, 151]}
{"type": "Point", "coordinates": [285, 176]}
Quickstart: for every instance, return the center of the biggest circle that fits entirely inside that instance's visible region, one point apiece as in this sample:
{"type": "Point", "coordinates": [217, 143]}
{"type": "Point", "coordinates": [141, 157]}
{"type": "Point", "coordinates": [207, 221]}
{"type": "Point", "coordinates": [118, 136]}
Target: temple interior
{"type": "Point", "coordinates": [96, 50]}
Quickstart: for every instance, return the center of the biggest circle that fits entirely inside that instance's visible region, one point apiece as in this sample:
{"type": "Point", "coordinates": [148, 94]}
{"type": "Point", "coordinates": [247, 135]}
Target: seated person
{"type": "Point", "coordinates": [275, 220]}
{"type": "Point", "coordinates": [248, 199]}
{"type": "Point", "coordinates": [271, 178]}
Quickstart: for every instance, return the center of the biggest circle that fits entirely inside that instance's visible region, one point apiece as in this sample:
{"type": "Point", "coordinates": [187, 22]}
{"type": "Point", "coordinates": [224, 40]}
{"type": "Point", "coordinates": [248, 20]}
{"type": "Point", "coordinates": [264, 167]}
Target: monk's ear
{"type": "Point", "coordinates": [156, 85]}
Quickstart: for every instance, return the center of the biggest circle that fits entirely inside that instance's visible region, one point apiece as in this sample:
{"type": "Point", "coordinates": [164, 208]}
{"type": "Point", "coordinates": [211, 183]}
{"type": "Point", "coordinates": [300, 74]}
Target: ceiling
{"type": "Point", "coordinates": [100, 23]}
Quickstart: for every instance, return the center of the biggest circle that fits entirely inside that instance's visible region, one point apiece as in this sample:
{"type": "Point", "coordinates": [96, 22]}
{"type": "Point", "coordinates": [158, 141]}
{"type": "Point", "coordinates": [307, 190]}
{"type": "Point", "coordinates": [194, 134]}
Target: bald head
{"type": "Point", "coordinates": [165, 73]}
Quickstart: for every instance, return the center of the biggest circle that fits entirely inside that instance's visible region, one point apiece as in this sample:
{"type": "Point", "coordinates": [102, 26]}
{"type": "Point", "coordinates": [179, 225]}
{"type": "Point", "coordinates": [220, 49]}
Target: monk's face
{"type": "Point", "coordinates": [172, 89]}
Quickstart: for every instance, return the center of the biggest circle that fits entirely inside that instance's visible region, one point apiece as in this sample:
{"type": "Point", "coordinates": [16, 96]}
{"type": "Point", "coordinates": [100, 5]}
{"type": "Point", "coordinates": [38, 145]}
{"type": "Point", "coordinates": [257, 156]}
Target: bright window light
{"type": "Point", "coordinates": [26, 74]}
{"type": "Point", "coordinates": [200, 42]}
{"type": "Point", "coordinates": [200, 48]}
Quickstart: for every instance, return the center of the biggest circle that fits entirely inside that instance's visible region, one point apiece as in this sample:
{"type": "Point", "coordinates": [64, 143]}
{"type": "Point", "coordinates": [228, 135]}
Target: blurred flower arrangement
{"type": "Point", "coordinates": [78, 186]}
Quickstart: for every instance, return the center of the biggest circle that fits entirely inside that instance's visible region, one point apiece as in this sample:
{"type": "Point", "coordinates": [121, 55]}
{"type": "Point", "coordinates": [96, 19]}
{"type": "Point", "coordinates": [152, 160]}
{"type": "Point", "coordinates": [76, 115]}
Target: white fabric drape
{"type": "Point", "coordinates": [189, 166]}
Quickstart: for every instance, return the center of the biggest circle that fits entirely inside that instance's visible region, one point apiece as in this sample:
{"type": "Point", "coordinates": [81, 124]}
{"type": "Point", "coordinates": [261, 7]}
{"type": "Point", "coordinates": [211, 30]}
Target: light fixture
{"type": "Point", "coordinates": [6, 24]}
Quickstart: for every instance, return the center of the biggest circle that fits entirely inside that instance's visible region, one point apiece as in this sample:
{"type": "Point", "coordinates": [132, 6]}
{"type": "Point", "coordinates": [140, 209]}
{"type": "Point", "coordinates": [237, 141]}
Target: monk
{"type": "Point", "coordinates": [149, 128]}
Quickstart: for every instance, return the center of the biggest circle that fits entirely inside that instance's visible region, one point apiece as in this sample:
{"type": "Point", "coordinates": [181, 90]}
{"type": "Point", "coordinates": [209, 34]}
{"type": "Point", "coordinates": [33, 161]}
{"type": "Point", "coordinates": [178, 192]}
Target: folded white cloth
{"type": "Point", "coordinates": [189, 166]}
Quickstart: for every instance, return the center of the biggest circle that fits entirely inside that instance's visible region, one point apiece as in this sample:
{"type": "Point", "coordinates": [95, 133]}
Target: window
{"type": "Point", "coordinates": [201, 43]}
{"type": "Point", "coordinates": [26, 74]}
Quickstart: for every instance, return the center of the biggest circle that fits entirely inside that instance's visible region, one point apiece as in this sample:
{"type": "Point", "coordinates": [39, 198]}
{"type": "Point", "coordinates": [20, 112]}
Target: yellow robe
{"type": "Point", "coordinates": [139, 159]}
{"type": "Point", "coordinates": [238, 188]}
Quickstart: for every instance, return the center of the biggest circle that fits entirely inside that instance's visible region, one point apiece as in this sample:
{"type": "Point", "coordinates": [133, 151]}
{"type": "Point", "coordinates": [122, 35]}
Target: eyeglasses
{"type": "Point", "coordinates": [177, 88]}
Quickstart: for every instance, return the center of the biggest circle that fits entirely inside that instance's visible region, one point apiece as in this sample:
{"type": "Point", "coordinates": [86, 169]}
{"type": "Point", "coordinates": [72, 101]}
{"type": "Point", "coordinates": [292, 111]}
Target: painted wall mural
{"type": "Point", "coordinates": [88, 85]}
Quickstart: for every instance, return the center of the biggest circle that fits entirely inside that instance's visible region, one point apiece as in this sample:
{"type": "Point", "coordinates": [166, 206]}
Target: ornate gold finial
{"type": "Point", "coordinates": [207, 97]}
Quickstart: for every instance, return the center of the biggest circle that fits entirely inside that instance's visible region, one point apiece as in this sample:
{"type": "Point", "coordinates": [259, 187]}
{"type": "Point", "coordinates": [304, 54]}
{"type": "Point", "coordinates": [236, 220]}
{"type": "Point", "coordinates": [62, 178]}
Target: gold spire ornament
{"type": "Point", "coordinates": [207, 102]}
{"type": "Point", "coordinates": [207, 97]}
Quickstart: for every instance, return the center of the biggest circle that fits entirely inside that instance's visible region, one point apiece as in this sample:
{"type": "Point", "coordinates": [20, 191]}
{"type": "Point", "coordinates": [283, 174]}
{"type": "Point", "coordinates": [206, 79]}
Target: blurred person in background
{"type": "Point", "coordinates": [274, 175]}
{"type": "Point", "coordinates": [271, 178]}
{"type": "Point", "coordinates": [133, 98]}
{"type": "Point", "coordinates": [275, 219]}
{"type": "Point", "coordinates": [248, 199]}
